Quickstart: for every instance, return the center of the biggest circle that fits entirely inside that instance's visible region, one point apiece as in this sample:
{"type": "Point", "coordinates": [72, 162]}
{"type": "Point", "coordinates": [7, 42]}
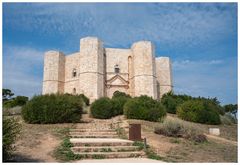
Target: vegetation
{"type": "Point", "coordinates": [64, 152]}
{"type": "Point", "coordinates": [174, 128]}
{"type": "Point", "coordinates": [232, 108]}
{"type": "Point", "coordinates": [53, 108]}
{"type": "Point", "coordinates": [17, 101]}
{"type": "Point", "coordinates": [6, 94]}
{"type": "Point", "coordinates": [144, 108]}
{"type": "Point", "coordinates": [102, 108]}
{"type": "Point", "coordinates": [118, 101]}
{"type": "Point", "coordinates": [85, 99]}
{"type": "Point", "coordinates": [105, 108]}
{"type": "Point", "coordinates": [228, 119]}
{"type": "Point", "coordinates": [149, 151]}
{"type": "Point", "coordinates": [9, 101]}
{"type": "Point", "coordinates": [118, 94]}
{"type": "Point", "coordinates": [11, 130]}
{"type": "Point", "coordinates": [171, 101]}
{"type": "Point", "coordinates": [199, 111]}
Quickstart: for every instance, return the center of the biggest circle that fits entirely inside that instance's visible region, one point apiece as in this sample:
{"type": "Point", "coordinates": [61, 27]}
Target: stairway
{"type": "Point", "coordinates": [102, 143]}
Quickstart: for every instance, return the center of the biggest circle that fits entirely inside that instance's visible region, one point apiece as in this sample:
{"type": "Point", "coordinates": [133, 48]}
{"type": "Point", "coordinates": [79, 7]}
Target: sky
{"type": "Point", "coordinates": [199, 38]}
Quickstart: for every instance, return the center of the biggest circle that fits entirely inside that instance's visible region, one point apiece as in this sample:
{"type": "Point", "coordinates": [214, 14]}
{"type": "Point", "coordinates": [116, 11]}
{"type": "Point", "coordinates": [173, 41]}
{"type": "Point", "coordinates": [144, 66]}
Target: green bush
{"type": "Point", "coordinates": [11, 130]}
{"type": "Point", "coordinates": [85, 99]}
{"type": "Point", "coordinates": [102, 108]}
{"type": "Point", "coordinates": [171, 101]}
{"type": "Point", "coordinates": [144, 108]}
{"type": "Point", "coordinates": [118, 104]}
{"type": "Point", "coordinates": [198, 111]}
{"type": "Point", "coordinates": [120, 94]}
{"type": "Point", "coordinates": [53, 108]}
{"type": "Point", "coordinates": [17, 101]}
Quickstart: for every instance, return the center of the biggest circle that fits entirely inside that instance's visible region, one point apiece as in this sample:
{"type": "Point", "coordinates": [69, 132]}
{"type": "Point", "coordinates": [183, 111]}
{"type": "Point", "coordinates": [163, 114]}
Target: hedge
{"type": "Point", "coordinates": [11, 130]}
{"type": "Point", "coordinates": [53, 108]}
{"type": "Point", "coordinates": [144, 108]}
{"type": "Point", "coordinates": [199, 111]}
{"type": "Point", "coordinates": [102, 108]}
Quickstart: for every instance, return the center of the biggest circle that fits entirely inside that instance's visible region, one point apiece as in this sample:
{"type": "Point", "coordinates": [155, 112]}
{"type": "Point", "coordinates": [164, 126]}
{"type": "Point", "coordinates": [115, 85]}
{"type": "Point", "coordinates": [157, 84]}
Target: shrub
{"type": "Point", "coordinates": [53, 108]}
{"type": "Point", "coordinates": [198, 111]}
{"type": "Point", "coordinates": [20, 100]}
{"type": "Point", "coordinates": [17, 101]}
{"type": "Point", "coordinates": [118, 104]}
{"type": "Point", "coordinates": [102, 108]}
{"type": "Point", "coordinates": [11, 129]}
{"type": "Point", "coordinates": [228, 119]}
{"type": "Point", "coordinates": [174, 128]}
{"type": "Point", "coordinates": [120, 94]}
{"type": "Point", "coordinates": [85, 99]}
{"type": "Point", "coordinates": [144, 108]}
{"type": "Point", "coordinates": [171, 103]}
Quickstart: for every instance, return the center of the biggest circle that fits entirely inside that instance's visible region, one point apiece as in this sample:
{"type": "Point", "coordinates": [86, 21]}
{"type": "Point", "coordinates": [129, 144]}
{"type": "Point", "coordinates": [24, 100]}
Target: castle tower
{"type": "Point", "coordinates": [91, 76]}
{"type": "Point", "coordinates": [54, 72]}
{"type": "Point", "coordinates": [164, 75]}
{"type": "Point", "coordinates": [144, 74]}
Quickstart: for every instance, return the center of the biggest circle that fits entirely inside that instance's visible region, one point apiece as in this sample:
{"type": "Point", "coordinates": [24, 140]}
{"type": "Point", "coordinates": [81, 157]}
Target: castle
{"type": "Point", "coordinates": [97, 71]}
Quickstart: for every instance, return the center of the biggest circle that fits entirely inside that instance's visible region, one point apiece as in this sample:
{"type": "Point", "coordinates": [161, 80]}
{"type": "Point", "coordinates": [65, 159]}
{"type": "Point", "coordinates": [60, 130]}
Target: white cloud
{"type": "Point", "coordinates": [22, 70]}
{"type": "Point", "coordinates": [213, 78]}
{"type": "Point", "coordinates": [174, 25]}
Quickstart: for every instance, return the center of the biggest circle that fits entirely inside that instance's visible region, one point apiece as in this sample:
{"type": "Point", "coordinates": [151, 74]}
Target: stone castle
{"type": "Point", "coordinates": [97, 71]}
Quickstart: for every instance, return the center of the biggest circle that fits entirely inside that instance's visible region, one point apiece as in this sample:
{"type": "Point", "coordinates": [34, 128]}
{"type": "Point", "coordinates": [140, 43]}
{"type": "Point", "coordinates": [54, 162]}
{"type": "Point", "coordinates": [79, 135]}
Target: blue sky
{"type": "Point", "coordinates": [200, 39]}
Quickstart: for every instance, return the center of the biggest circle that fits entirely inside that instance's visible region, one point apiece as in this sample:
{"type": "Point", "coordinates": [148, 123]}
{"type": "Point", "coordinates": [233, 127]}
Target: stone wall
{"type": "Point", "coordinates": [117, 57]}
{"type": "Point", "coordinates": [71, 82]}
{"type": "Point", "coordinates": [144, 76]}
{"type": "Point", "coordinates": [164, 75]}
{"type": "Point", "coordinates": [54, 76]}
{"type": "Point", "coordinates": [140, 72]}
{"type": "Point", "coordinates": [91, 74]}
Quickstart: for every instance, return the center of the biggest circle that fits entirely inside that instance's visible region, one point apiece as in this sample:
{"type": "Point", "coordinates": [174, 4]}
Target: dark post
{"type": "Point", "coordinates": [135, 132]}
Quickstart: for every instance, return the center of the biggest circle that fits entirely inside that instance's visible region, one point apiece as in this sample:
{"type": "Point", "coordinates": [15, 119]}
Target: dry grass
{"type": "Point", "coordinates": [182, 150]}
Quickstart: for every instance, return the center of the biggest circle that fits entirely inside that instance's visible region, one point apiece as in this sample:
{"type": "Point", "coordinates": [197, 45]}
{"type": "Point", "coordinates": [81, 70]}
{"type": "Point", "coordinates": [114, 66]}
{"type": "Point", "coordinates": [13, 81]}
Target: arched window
{"type": "Point", "coordinates": [74, 91]}
{"type": "Point", "coordinates": [74, 73]}
{"type": "Point", "coordinates": [116, 68]}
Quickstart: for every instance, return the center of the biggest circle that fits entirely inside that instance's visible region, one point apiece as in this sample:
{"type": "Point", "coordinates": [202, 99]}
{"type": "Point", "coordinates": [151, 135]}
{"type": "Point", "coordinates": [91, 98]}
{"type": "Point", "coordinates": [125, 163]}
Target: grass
{"type": "Point", "coordinates": [175, 140]}
{"type": "Point", "coordinates": [98, 156]}
{"type": "Point", "coordinates": [175, 128]}
{"type": "Point", "coordinates": [106, 150]}
{"type": "Point", "coordinates": [121, 133]}
{"type": "Point", "coordinates": [149, 151]}
{"type": "Point", "coordinates": [64, 152]}
{"type": "Point", "coordinates": [202, 152]}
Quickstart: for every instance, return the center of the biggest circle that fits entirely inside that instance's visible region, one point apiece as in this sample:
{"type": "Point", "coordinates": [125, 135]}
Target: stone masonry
{"type": "Point", "coordinates": [97, 71]}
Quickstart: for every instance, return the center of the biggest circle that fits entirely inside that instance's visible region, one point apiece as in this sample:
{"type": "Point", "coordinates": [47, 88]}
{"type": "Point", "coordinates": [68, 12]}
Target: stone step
{"type": "Point", "coordinates": [91, 130]}
{"type": "Point", "coordinates": [105, 149]}
{"type": "Point", "coordinates": [92, 133]}
{"type": "Point", "coordinates": [100, 142]}
{"type": "Point", "coordinates": [103, 155]}
{"type": "Point", "coordinates": [94, 136]}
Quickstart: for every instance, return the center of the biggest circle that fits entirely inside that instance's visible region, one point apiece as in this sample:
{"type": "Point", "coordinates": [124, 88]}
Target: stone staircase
{"type": "Point", "coordinates": [102, 143]}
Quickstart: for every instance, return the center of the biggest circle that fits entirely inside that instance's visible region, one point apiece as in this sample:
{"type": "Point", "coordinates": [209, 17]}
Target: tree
{"type": "Point", "coordinates": [232, 108]}
{"type": "Point", "coordinates": [6, 94]}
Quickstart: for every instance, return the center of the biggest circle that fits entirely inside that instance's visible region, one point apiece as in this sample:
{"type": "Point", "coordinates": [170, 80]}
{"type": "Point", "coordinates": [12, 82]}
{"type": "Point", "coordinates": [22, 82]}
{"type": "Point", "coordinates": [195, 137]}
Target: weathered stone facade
{"type": "Point", "coordinates": [97, 71]}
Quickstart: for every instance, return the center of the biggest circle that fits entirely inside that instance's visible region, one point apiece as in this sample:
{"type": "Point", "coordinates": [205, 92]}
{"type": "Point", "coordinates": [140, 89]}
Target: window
{"type": "Point", "coordinates": [116, 69]}
{"type": "Point", "coordinates": [74, 91]}
{"type": "Point", "coordinates": [74, 73]}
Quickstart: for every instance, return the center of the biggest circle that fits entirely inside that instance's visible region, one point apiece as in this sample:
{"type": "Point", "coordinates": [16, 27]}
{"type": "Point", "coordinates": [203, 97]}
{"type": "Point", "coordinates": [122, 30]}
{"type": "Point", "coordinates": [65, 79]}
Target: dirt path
{"type": "Point", "coordinates": [221, 139]}
{"type": "Point", "coordinates": [41, 151]}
